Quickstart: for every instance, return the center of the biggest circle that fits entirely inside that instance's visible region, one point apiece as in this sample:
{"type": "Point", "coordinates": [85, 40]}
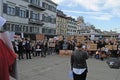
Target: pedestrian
{"type": "Point", "coordinates": [78, 63]}
{"type": "Point", "coordinates": [20, 50]}
{"type": "Point", "coordinates": [7, 55]}
{"type": "Point", "coordinates": [27, 49]}
{"type": "Point", "coordinates": [45, 47]}
{"type": "Point", "coordinates": [38, 49]}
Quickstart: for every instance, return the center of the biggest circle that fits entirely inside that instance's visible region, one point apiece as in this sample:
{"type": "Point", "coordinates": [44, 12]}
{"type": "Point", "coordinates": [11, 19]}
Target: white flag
{"type": "Point", "coordinates": [2, 21]}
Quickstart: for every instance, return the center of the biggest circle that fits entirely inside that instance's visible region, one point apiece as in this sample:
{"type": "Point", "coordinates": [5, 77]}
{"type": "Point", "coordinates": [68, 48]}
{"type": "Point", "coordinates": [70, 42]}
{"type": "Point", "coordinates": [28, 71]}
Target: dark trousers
{"type": "Point", "coordinates": [28, 54]}
{"type": "Point", "coordinates": [38, 53]}
{"type": "Point", "coordinates": [80, 77]}
{"type": "Point", "coordinates": [20, 55]}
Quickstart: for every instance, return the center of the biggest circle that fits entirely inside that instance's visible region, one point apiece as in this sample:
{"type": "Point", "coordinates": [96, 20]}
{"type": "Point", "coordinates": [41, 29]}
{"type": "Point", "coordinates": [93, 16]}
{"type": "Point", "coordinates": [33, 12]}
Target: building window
{"type": "Point", "coordinates": [37, 2]}
{"type": "Point", "coordinates": [22, 13]}
{"type": "Point", "coordinates": [36, 29]}
{"type": "Point", "coordinates": [26, 0]}
{"type": "Point", "coordinates": [24, 28]}
{"type": "Point", "coordinates": [31, 29]}
{"type": "Point", "coordinates": [48, 7]}
{"type": "Point", "coordinates": [13, 27]}
{"type": "Point", "coordinates": [10, 10]}
{"type": "Point", "coordinates": [7, 26]}
{"type": "Point", "coordinates": [43, 30]}
{"type": "Point", "coordinates": [34, 16]}
{"type": "Point", "coordinates": [17, 28]}
{"type": "Point", "coordinates": [43, 5]}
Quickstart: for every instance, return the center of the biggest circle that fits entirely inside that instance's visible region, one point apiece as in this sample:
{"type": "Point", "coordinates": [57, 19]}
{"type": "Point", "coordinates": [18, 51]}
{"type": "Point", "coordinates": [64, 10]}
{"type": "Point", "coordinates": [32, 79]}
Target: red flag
{"type": "Point", "coordinates": [7, 58]}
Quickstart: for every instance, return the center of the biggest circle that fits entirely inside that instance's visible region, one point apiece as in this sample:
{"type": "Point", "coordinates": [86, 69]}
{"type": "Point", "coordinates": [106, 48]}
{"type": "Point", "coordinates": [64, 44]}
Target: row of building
{"type": "Point", "coordinates": [31, 17]}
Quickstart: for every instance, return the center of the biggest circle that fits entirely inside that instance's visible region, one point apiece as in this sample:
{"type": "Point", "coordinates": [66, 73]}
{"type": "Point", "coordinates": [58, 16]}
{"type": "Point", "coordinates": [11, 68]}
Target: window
{"type": "Point", "coordinates": [49, 7]}
{"type": "Point", "coordinates": [43, 5]}
{"type": "Point", "coordinates": [31, 29]}
{"type": "Point", "coordinates": [24, 28]}
{"type": "Point", "coordinates": [34, 16]}
{"type": "Point", "coordinates": [10, 10]}
{"type": "Point", "coordinates": [43, 30]}
{"type": "Point", "coordinates": [36, 29]}
{"type": "Point", "coordinates": [26, 0]}
{"type": "Point", "coordinates": [43, 17]}
{"type": "Point", "coordinates": [7, 26]}
{"type": "Point", "coordinates": [12, 27]}
{"type": "Point", "coordinates": [17, 28]}
{"type": "Point", "coordinates": [37, 2]}
{"type": "Point", "coordinates": [22, 13]}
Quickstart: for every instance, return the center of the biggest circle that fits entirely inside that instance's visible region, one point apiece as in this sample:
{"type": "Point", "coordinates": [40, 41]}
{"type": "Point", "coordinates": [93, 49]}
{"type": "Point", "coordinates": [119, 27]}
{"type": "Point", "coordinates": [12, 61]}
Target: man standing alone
{"type": "Point", "coordinates": [78, 63]}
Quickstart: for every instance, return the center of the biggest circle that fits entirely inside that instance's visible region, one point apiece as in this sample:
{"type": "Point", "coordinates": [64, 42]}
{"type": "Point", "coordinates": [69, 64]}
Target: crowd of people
{"type": "Point", "coordinates": [32, 48]}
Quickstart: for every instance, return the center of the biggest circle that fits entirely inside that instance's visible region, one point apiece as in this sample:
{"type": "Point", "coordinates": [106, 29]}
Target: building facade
{"type": "Point", "coordinates": [61, 23]}
{"type": "Point", "coordinates": [71, 26]}
{"type": "Point", "coordinates": [49, 18]}
{"type": "Point", "coordinates": [28, 16]}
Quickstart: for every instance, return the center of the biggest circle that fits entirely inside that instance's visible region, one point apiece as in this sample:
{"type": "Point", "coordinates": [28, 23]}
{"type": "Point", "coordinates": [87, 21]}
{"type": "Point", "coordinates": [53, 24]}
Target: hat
{"type": "Point", "coordinates": [2, 21]}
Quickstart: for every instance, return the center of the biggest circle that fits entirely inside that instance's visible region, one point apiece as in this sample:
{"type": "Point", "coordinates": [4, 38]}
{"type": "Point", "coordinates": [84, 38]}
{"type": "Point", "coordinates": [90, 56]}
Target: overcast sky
{"type": "Point", "coordinates": [104, 14]}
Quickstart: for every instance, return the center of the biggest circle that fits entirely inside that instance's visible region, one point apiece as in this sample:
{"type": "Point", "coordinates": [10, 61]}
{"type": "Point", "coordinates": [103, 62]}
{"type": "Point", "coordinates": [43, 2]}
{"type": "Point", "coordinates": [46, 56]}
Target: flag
{"type": "Point", "coordinates": [8, 65]}
{"type": "Point", "coordinates": [12, 36]}
{"type": "Point", "coordinates": [2, 21]}
{"type": "Point", "coordinates": [6, 39]}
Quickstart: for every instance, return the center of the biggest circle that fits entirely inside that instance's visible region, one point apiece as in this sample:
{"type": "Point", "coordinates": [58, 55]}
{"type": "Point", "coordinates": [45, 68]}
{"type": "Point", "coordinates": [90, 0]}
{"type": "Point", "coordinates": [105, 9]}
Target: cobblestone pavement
{"type": "Point", "coordinates": [54, 67]}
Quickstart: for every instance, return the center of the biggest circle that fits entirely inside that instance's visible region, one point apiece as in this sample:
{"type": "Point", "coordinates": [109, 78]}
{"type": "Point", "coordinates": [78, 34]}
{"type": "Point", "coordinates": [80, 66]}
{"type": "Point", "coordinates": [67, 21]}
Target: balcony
{"type": "Point", "coordinates": [37, 22]}
{"type": "Point", "coordinates": [36, 6]}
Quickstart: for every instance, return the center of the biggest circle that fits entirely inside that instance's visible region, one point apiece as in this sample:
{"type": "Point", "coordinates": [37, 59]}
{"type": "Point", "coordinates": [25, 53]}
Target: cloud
{"type": "Point", "coordinates": [93, 15]}
{"type": "Point", "coordinates": [111, 4]}
{"type": "Point", "coordinates": [85, 12]}
{"type": "Point", "coordinates": [102, 17]}
{"type": "Point", "coordinates": [58, 1]}
{"type": "Point", "coordinates": [93, 5]}
{"type": "Point", "coordinates": [116, 12]}
{"type": "Point", "coordinates": [98, 9]}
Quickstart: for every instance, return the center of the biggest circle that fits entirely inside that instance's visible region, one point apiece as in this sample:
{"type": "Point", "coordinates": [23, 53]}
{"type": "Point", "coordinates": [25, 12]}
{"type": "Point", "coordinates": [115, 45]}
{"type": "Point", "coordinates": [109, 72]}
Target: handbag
{"type": "Point", "coordinates": [70, 74]}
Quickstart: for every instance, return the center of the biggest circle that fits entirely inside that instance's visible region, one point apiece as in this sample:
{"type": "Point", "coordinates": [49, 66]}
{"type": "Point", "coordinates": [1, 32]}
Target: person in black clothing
{"type": "Point", "coordinates": [27, 49]}
{"type": "Point", "coordinates": [20, 50]}
{"type": "Point", "coordinates": [78, 63]}
{"type": "Point", "coordinates": [45, 47]}
{"type": "Point", "coordinates": [42, 49]}
{"type": "Point", "coordinates": [57, 47]}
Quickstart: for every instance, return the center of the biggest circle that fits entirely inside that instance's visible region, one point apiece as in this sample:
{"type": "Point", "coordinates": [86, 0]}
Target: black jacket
{"type": "Point", "coordinates": [78, 59]}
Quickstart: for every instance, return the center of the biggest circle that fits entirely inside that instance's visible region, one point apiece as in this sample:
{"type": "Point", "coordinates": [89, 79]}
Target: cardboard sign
{"type": "Point", "coordinates": [65, 52]}
{"type": "Point", "coordinates": [80, 38]}
{"type": "Point", "coordinates": [51, 40]}
{"type": "Point", "coordinates": [60, 38]}
{"type": "Point", "coordinates": [109, 47]}
{"type": "Point", "coordinates": [40, 37]}
{"type": "Point", "coordinates": [52, 44]}
{"type": "Point", "coordinates": [70, 38]}
{"type": "Point", "coordinates": [91, 47]}
{"type": "Point", "coordinates": [114, 47]}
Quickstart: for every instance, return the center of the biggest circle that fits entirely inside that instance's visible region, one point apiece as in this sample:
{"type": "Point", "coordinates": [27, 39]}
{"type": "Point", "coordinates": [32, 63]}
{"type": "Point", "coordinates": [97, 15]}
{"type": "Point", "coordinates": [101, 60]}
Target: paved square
{"type": "Point", "coordinates": [54, 67]}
